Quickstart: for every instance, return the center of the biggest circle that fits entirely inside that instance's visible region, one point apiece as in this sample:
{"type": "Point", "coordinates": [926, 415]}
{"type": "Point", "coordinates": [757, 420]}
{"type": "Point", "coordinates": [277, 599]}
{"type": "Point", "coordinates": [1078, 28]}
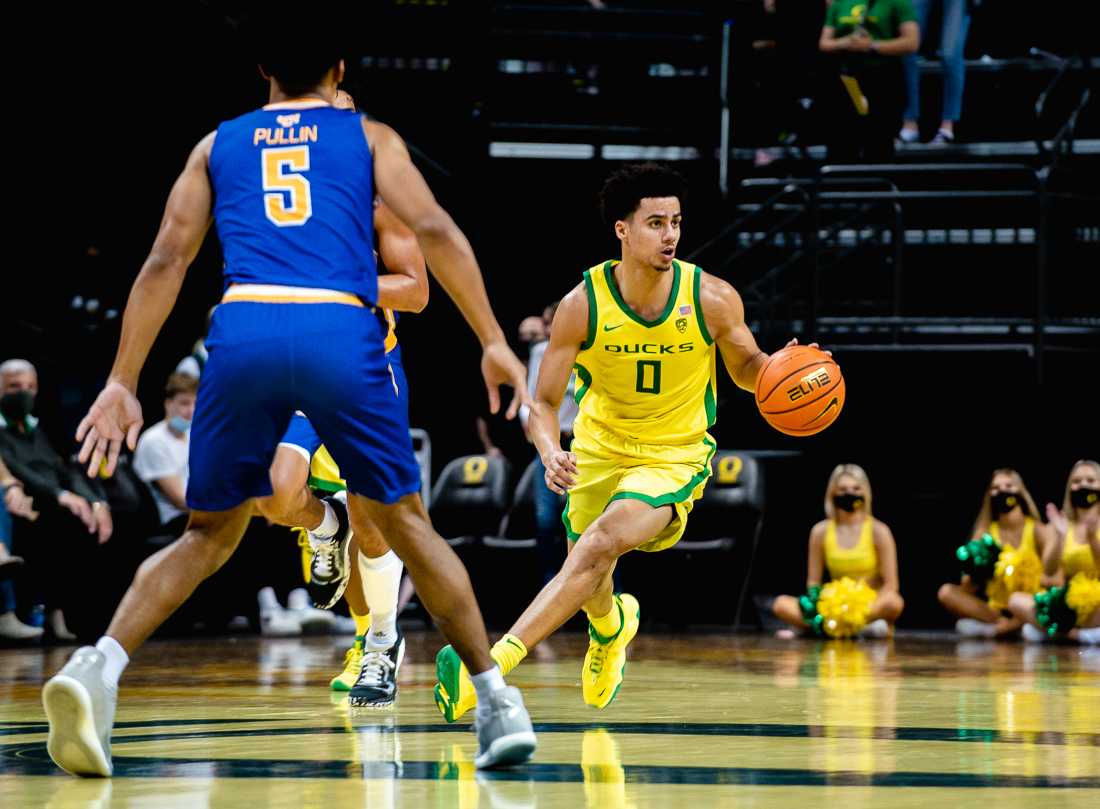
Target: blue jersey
{"type": "Point", "coordinates": [293, 199]}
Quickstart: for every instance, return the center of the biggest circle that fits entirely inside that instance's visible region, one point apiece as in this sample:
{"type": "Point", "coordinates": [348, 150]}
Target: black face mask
{"type": "Point", "coordinates": [17, 405]}
{"type": "Point", "coordinates": [1004, 502]}
{"type": "Point", "coordinates": [847, 502]}
{"type": "Point", "coordinates": [1084, 497]}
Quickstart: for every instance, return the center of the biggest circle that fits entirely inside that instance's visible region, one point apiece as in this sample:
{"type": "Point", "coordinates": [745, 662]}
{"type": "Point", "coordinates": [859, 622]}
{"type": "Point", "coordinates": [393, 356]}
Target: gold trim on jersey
{"type": "Point", "coordinates": [275, 293]}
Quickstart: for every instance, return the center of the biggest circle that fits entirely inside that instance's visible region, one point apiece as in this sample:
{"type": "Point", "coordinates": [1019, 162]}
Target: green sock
{"type": "Point", "coordinates": [607, 626]}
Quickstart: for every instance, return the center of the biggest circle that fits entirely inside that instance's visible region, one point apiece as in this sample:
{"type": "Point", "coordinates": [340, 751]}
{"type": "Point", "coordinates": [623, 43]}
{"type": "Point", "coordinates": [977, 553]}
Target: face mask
{"type": "Point", "coordinates": [17, 405]}
{"type": "Point", "coordinates": [1084, 497]}
{"type": "Point", "coordinates": [848, 502]}
{"type": "Point", "coordinates": [1004, 502]}
{"type": "Point", "coordinates": [179, 424]}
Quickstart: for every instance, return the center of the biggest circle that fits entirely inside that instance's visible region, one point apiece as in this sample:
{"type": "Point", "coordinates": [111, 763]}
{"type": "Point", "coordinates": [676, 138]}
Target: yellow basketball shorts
{"type": "Point", "coordinates": [659, 476]}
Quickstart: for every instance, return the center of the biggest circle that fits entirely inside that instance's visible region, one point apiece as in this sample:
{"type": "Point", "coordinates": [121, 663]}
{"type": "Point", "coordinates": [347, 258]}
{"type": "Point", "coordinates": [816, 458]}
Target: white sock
{"type": "Point", "coordinates": [485, 684]}
{"type": "Point", "coordinates": [328, 526]}
{"type": "Point", "coordinates": [116, 660]}
{"type": "Point", "coordinates": [1089, 636]}
{"type": "Point", "coordinates": [381, 585]}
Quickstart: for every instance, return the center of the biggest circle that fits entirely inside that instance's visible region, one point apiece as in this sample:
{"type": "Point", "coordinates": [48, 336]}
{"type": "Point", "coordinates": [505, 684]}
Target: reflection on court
{"type": "Point", "coordinates": [701, 721]}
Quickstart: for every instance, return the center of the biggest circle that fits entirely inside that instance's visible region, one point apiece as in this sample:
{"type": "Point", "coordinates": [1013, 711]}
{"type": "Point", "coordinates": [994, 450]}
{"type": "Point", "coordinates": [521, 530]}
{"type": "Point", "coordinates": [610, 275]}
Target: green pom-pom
{"type": "Point", "coordinates": [818, 625]}
{"type": "Point", "coordinates": [1052, 612]}
{"type": "Point", "coordinates": [978, 558]}
{"type": "Point", "coordinates": [808, 603]}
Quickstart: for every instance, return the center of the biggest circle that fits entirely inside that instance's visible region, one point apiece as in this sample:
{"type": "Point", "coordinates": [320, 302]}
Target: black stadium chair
{"type": "Point", "coordinates": [469, 499]}
{"type": "Point", "coordinates": [517, 529]}
{"type": "Point", "coordinates": [714, 558]}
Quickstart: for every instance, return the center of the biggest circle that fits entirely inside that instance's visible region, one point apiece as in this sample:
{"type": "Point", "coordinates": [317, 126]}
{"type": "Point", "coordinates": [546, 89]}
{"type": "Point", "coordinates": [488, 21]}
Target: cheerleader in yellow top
{"type": "Point", "coordinates": [1009, 515]}
{"type": "Point", "coordinates": [1072, 565]}
{"type": "Point", "coordinates": [860, 555]}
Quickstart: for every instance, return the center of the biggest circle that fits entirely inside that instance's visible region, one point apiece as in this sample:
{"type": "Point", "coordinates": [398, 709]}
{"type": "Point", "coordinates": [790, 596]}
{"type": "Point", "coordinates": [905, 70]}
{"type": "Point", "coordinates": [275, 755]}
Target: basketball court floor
{"type": "Point", "coordinates": [701, 721]}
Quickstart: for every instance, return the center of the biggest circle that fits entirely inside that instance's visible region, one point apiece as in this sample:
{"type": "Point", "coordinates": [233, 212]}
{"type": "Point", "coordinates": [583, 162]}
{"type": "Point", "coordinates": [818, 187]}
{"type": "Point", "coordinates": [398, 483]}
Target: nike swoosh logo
{"type": "Point", "coordinates": [612, 328]}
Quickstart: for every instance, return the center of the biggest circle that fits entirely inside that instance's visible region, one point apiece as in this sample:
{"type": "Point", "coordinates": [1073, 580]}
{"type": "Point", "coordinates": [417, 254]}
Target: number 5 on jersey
{"type": "Point", "coordinates": [289, 203]}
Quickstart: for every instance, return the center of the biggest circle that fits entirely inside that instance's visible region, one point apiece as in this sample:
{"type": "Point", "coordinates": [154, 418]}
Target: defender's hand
{"type": "Point", "coordinates": [500, 366]}
{"type": "Point", "coordinates": [115, 415]}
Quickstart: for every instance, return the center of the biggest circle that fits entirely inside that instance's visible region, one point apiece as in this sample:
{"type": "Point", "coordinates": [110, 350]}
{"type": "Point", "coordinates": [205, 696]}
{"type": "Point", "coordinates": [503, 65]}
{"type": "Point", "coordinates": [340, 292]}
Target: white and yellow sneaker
{"type": "Point", "coordinates": [353, 658]}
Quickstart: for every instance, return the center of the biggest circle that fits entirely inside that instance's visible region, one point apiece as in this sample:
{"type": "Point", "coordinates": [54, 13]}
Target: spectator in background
{"type": "Point", "coordinates": [955, 24]}
{"type": "Point", "coordinates": [868, 40]}
{"type": "Point", "coordinates": [861, 557]}
{"type": "Point", "coordinates": [1010, 516]}
{"type": "Point", "coordinates": [548, 506]}
{"type": "Point", "coordinates": [14, 501]}
{"type": "Point", "coordinates": [69, 505]}
{"type": "Point", "coordinates": [161, 456]}
{"type": "Point", "coordinates": [194, 362]}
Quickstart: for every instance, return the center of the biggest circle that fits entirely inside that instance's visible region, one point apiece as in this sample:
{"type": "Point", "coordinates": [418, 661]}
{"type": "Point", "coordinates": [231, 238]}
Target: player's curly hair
{"type": "Point", "coordinates": [624, 190]}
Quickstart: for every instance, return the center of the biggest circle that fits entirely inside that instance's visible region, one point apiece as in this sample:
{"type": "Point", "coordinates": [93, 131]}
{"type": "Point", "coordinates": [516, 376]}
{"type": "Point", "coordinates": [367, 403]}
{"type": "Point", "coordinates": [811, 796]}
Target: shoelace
{"type": "Point", "coordinates": [375, 669]}
{"type": "Point", "coordinates": [598, 659]}
{"type": "Point", "coordinates": [353, 656]}
{"type": "Point", "coordinates": [324, 559]}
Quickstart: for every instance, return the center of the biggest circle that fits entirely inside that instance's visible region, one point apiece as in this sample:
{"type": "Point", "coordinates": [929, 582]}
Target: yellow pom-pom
{"type": "Point", "coordinates": [1015, 572]}
{"type": "Point", "coordinates": [1083, 596]}
{"type": "Point", "coordinates": [844, 605]}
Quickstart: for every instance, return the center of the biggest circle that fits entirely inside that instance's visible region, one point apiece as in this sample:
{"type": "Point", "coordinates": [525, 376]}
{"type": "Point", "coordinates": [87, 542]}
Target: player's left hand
{"type": "Point", "coordinates": [794, 341]}
{"type": "Point", "coordinates": [114, 415]}
{"type": "Point", "coordinates": [500, 366]}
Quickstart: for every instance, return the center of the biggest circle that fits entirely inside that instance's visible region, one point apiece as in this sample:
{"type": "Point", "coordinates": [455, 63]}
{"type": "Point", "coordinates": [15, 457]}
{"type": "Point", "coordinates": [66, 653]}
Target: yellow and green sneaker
{"type": "Point", "coordinates": [454, 693]}
{"type": "Point", "coordinates": [353, 657]}
{"type": "Point", "coordinates": [602, 675]}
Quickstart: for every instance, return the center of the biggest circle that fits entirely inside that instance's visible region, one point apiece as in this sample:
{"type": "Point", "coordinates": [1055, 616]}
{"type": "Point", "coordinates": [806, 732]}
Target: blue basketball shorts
{"type": "Point", "coordinates": [301, 436]}
{"type": "Point", "coordinates": [268, 360]}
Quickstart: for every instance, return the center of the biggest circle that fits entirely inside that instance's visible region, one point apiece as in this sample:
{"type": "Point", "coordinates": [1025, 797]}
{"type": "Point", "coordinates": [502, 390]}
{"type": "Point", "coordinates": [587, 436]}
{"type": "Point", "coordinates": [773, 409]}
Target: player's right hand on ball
{"type": "Point", "coordinates": [561, 466]}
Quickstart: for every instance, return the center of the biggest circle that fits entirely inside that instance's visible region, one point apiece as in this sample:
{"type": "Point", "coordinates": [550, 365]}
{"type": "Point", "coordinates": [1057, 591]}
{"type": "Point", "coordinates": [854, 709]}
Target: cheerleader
{"type": "Point", "coordinates": [859, 552]}
{"type": "Point", "coordinates": [1013, 544]}
{"type": "Point", "coordinates": [1071, 607]}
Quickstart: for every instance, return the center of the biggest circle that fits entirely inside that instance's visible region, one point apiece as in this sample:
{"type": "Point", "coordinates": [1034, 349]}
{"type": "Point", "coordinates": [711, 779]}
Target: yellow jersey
{"type": "Point", "coordinates": [1077, 556]}
{"type": "Point", "coordinates": [640, 382]}
{"type": "Point", "coordinates": [1027, 537]}
{"type": "Point", "coordinates": [857, 562]}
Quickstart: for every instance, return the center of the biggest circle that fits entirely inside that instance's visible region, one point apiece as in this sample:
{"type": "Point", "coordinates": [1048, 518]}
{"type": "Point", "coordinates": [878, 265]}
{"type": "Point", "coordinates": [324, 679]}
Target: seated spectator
{"type": "Point", "coordinates": [161, 456]}
{"type": "Point", "coordinates": [1070, 609]}
{"type": "Point", "coordinates": [862, 596]}
{"type": "Point", "coordinates": [194, 362]}
{"type": "Point", "coordinates": [69, 505]}
{"type": "Point", "coordinates": [1009, 515]}
{"type": "Point", "coordinates": [868, 41]}
{"type": "Point", "coordinates": [955, 23]}
{"type": "Point", "coordinates": [14, 501]}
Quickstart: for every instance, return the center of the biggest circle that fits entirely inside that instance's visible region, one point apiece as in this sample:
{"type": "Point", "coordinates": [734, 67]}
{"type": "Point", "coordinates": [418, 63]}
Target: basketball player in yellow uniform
{"type": "Point", "coordinates": [641, 333]}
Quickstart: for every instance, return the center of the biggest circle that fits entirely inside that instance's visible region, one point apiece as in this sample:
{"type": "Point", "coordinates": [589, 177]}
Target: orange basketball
{"type": "Point", "coordinates": [800, 391]}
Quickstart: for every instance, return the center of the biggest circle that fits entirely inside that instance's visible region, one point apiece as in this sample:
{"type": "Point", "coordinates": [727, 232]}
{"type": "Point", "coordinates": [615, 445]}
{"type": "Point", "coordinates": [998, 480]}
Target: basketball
{"type": "Point", "coordinates": [800, 391]}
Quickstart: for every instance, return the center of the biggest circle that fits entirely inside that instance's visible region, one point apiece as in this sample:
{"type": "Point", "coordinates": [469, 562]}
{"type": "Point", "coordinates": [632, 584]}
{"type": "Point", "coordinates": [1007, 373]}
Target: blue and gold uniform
{"type": "Point", "coordinates": [324, 473]}
{"type": "Point", "coordinates": [293, 189]}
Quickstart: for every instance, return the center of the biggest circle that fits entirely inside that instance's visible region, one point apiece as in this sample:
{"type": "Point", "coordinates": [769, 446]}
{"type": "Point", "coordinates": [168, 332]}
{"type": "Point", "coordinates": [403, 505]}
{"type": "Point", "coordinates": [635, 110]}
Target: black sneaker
{"type": "Point", "coordinates": [331, 566]}
{"type": "Point", "coordinates": [376, 686]}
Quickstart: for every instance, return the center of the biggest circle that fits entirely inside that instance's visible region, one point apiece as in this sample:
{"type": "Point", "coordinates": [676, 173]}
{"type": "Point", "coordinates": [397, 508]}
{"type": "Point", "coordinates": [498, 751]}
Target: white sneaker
{"type": "Point", "coordinates": [313, 620]}
{"type": "Point", "coordinates": [876, 629]}
{"type": "Point", "coordinates": [275, 621]}
{"type": "Point", "coordinates": [1089, 637]}
{"type": "Point", "coordinates": [14, 629]}
{"type": "Point", "coordinates": [1032, 633]}
{"type": "Point", "coordinates": [971, 628]}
